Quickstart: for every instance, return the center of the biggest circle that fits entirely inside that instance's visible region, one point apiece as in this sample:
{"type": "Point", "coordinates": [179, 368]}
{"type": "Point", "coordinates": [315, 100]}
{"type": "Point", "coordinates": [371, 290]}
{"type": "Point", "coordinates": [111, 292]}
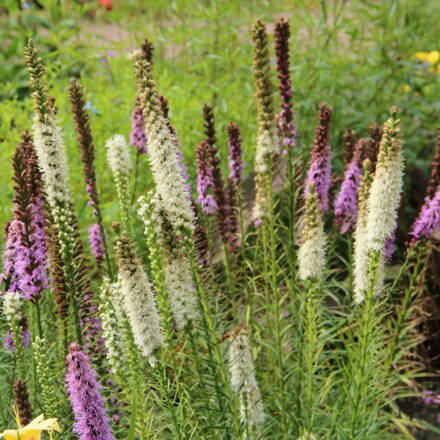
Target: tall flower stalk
{"type": "Point", "coordinates": [243, 381]}
{"type": "Point", "coordinates": [233, 190]}
{"type": "Point", "coordinates": [383, 200]}
{"type": "Point", "coordinates": [205, 182]}
{"type": "Point", "coordinates": [268, 143]}
{"type": "Point", "coordinates": [346, 203]}
{"type": "Point", "coordinates": [91, 420]}
{"type": "Point", "coordinates": [287, 130]}
{"type": "Point", "coordinates": [86, 146]}
{"type": "Point", "coordinates": [52, 160]}
{"type": "Point", "coordinates": [118, 157]}
{"type": "Point", "coordinates": [218, 190]}
{"type": "Point", "coordinates": [30, 262]}
{"type": "Point", "coordinates": [170, 187]}
{"type": "Point", "coordinates": [139, 300]}
{"type": "Point", "coordinates": [311, 261]}
{"type": "Point", "coordinates": [172, 274]}
{"type": "Point", "coordinates": [319, 173]}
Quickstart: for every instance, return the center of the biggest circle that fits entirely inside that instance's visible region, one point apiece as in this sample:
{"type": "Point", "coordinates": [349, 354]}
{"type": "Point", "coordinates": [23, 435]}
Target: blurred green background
{"type": "Point", "coordinates": [357, 56]}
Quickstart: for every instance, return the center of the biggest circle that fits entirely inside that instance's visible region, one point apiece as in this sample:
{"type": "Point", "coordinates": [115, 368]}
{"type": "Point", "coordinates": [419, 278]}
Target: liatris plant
{"type": "Point", "coordinates": [53, 164]}
{"type": "Point", "coordinates": [319, 173]}
{"type": "Point", "coordinates": [205, 183]}
{"type": "Point", "coordinates": [139, 299]}
{"type": "Point", "coordinates": [118, 157]}
{"type": "Point", "coordinates": [137, 134]}
{"type": "Point", "coordinates": [174, 273]}
{"type": "Point", "coordinates": [96, 242]}
{"type": "Point", "coordinates": [268, 144]}
{"type": "Point", "coordinates": [30, 261]}
{"type": "Point", "coordinates": [360, 235]}
{"type": "Point", "coordinates": [164, 161]}
{"type": "Point", "coordinates": [233, 189]}
{"type": "Point", "coordinates": [384, 197]}
{"type": "Point", "coordinates": [22, 404]}
{"type": "Point", "coordinates": [243, 381]}
{"type": "Point", "coordinates": [91, 420]}
{"type": "Point", "coordinates": [85, 143]}
{"type": "Point", "coordinates": [112, 327]}
{"type": "Point", "coordinates": [221, 205]}
{"type": "Point", "coordinates": [428, 220]}
{"type": "Point", "coordinates": [287, 130]}
{"type": "Point", "coordinates": [345, 204]}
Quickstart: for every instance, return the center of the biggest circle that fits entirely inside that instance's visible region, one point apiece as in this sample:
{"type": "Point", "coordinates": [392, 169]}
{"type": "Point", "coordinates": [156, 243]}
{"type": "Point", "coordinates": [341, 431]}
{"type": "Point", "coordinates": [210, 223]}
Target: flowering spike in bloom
{"type": "Point", "coordinates": [428, 220]}
{"type": "Point", "coordinates": [287, 130]}
{"type": "Point", "coordinates": [243, 381]}
{"type": "Point", "coordinates": [167, 174]}
{"type": "Point", "coordinates": [177, 274]}
{"type": "Point", "coordinates": [91, 420]}
{"type": "Point", "coordinates": [205, 183]}
{"type": "Point", "coordinates": [139, 300]}
{"type": "Point", "coordinates": [311, 254]}
{"type": "Point", "coordinates": [360, 256]}
{"type": "Point", "coordinates": [386, 188]}
{"type": "Point", "coordinates": [268, 143]}
{"type": "Point", "coordinates": [137, 135]}
{"type": "Point", "coordinates": [346, 200]}
{"type": "Point", "coordinates": [29, 263]}
{"type": "Point", "coordinates": [118, 158]}
{"type": "Point", "coordinates": [96, 242]}
{"type": "Point", "coordinates": [235, 161]}
{"type": "Point", "coordinates": [319, 173]}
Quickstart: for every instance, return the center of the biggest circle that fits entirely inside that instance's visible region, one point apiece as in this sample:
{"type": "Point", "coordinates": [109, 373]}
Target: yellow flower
{"type": "Point", "coordinates": [421, 55]}
{"type": "Point", "coordinates": [33, 430]}
{"type": "Point", "coordinates": [433, 57]}
{"type": "Point", "coordinates": [406, 88]}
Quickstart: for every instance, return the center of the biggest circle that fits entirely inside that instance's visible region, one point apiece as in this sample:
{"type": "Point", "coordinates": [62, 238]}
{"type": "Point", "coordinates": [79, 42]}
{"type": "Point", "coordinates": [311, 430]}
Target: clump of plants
{"type": "Point", "coordinates": [229, 307]}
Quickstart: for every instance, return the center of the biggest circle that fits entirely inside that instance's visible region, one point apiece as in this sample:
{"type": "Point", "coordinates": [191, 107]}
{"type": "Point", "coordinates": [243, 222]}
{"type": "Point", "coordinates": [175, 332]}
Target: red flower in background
{"type": "Point", "coordinates": [107, 4]}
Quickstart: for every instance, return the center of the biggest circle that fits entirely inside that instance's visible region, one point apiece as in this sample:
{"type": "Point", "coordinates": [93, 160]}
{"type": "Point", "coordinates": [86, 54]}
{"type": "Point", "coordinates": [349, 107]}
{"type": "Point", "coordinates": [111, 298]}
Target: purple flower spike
{"type": "Point", "coordinates": [346, 201]}
{"type": "Point", "coordinates": [205, 182]}
{"type": "Point", "coordinates": [428, 220]}
{"type": "Point", "coordinates": [286, 126]}
{"type": "Point", "coordinates": [96, 242]}
{"type": "Point", "coordinates": [137, 134]}
{"type": "Point", "coordinates": [319, 173]}
{"type": "Point", "coordinates": [91, 419]}
{"type": "Point", "coordinates": [235, 161]}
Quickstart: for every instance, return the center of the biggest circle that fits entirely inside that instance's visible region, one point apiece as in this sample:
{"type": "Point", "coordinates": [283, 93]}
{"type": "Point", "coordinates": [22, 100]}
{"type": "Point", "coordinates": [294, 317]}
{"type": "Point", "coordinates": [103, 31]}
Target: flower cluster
{"type": "Point", "coordinates": [96, 242]}
{"type": "Point", "coordinates": [311, 254]}
{"type": "Point", "coordinates": [178, 278]}
{"type": "Point", "coordinates": [346, 201]}
{"type": "Point", "coordinates": [319, 173]}
{"type": "Point", "coordinates": [268, 143]}
{"type": "Point", "coordinates": [287, 130]}
{"type": "Point", "coordinates": [140, 304]}
{"type": "Point", "coordinates": [91, 420]}
{"type": "Point", "coordinates": [118, 158]}
{"type": "Point", "coordinates": [243, 381]}
{"type": "Point", "coordinates": [205, 183]}
{"type": "Point", "coordinates": [170, 184]}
